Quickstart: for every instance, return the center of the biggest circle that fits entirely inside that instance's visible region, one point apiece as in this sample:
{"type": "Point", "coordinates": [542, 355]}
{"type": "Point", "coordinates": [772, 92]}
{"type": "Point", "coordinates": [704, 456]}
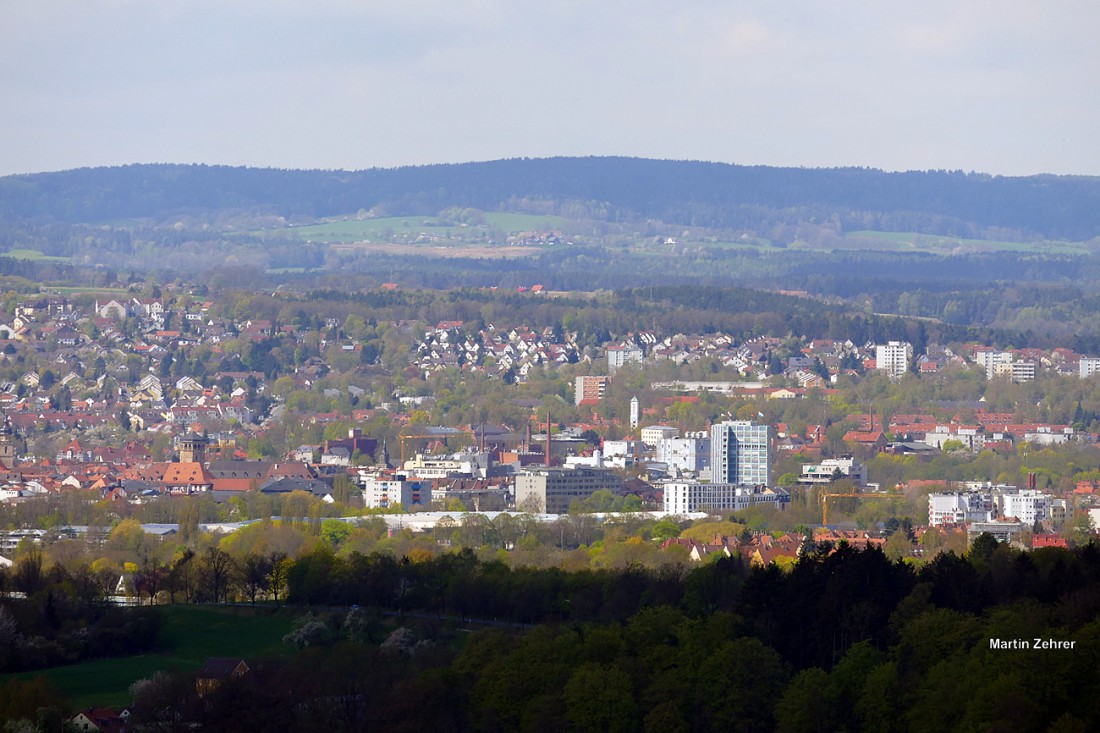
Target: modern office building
{"type": "Point", "coordinates": [552, 490]}
{"type": "Point", "coordinates": [684, 497]}
{"type": "Point", "coordinates": [740, 453]}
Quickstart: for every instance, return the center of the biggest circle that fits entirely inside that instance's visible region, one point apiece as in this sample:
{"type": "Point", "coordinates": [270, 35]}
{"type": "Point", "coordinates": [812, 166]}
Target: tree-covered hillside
{"type": "Point", "coordinates": [616, 189]}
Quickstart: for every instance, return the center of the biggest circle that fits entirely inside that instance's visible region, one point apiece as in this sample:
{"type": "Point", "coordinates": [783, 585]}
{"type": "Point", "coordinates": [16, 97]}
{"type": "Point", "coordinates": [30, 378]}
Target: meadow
{"type": "Point", "coordinates": [914, 242]}
{"type": "Point", "coordinates": [351, 229]}
{"type": "Point", "coordinates": [32, 254]}
{"type": "Point", "coordinates": [188, 636]}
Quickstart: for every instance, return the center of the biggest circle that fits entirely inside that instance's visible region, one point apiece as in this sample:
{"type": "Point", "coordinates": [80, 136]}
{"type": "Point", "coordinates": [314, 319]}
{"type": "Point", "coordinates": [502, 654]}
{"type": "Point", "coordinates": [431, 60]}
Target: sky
{"type": "Point", "coordinates": [1006, 87]}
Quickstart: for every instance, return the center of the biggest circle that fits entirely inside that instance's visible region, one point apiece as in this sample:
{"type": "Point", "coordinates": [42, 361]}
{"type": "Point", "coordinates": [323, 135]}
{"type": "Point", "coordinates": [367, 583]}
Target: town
{"type": "Point", "coordinates": [120, 408]}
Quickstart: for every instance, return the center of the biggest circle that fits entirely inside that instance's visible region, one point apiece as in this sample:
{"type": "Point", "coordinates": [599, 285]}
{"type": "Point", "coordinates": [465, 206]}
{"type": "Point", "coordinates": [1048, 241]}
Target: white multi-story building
{"type": "Point", "coordinates": [1026, 505]}
{"type": "Point", "coordinates": [991, 360]}
{"type": "Point", "coordinates": [972, 438]}
{"type": "Point", "coordinates": [893, 357]}
{"type": "Point", "coordinates": [960, 507]}
{"type": "Point", "coordinates": [617, 356]}
{"type": "Point", "coordinates": [1023, 371]}
{"type": "Point", "coordinates": [688, 454]}
{"type": "Point", "coordinates": [740, 453]}
{"type": "Point", "coordinates": [683, 497]}
{"type": "Point", "coordinates": [832, 468]}
{"type": "Point", "coordinates": [986, 503]}
{"type": "Point", "coordinates": [1088, 366]}
{"type": "Point", "coordinates": [1046, 435]}
{"type": "Point", "coordinates": [627, 448]}
{"type": "Point", "coordinates": [380, 493]}
{"type": "Point", "coordinates": [653, 434]}
{"type": "Point", "coordinates": [552, 490]}
{"type": "Point", "coordinates": [460, 465]}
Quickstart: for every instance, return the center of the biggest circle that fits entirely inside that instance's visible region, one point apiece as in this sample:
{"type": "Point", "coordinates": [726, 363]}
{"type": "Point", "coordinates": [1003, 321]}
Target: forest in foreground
{"type": "Point", "coordinates": [846, 640]}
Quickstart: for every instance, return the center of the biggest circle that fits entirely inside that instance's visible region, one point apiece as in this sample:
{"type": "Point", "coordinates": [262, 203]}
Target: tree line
{"type": "Point", "coordinates": [844, 640]}
{"type": "Point", "coordinates": [682, 192]}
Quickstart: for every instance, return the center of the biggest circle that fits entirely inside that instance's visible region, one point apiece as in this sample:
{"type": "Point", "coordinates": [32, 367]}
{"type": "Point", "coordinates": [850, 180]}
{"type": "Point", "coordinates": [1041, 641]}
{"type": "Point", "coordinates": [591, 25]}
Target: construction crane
{"type": "Point", "coordinates": [417, 436]}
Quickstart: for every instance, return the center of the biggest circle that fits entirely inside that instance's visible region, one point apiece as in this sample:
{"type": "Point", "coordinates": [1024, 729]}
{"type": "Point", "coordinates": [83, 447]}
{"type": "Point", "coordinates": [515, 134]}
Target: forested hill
{"type": "Point", "coordinates": [616, 189]}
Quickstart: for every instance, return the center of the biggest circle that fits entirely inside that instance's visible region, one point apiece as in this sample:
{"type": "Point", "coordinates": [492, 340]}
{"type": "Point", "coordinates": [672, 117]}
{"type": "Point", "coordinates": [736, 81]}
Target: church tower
{"type": "Point", "coordinates": [10, 444]}
{"type": "Point", "coordinates": [192, 448]}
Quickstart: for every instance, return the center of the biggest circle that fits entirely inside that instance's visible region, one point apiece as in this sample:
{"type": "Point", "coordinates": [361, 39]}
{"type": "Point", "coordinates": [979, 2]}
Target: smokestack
{"type": "Point", "coordinates": [548, 439]}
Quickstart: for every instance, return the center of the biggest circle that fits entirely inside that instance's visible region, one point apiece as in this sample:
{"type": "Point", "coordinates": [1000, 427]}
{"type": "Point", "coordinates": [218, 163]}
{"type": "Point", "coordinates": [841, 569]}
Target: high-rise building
{"type": "Point", "coordinates": [893, 357]}
{"type": "Point", "coordinates": [1088, 366]}
{"type": "Point", "coordinates": [590, 390]}
{"type": "Point", "coordinates": [740, 453]}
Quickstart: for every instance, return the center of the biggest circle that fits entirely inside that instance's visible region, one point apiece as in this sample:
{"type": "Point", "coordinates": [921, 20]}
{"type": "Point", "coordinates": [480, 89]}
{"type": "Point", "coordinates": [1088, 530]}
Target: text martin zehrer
{"type": "Point", "coordinates": [1031, 644]}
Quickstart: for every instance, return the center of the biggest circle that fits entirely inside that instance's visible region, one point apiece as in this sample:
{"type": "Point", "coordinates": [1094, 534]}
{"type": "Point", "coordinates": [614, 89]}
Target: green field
{"type": "Point", "coordinates": [32, 254]}
{"type": "Point", "coordinates": [189, 635]}
{"type": "Point", "coordinates": [356, 230]}
{"type": "Point", "coordinates": [914, 242]}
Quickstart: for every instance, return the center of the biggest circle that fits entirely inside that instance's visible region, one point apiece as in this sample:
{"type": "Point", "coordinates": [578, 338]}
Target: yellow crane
{"type": "Point", "coordinates": [416, 436]}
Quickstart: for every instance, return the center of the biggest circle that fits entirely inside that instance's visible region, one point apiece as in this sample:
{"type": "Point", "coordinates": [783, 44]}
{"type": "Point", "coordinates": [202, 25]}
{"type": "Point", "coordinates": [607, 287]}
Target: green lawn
{"type": "Point", "coordinates": [32, 254]}
{"type": "Point", "coordinates": [188, 636]}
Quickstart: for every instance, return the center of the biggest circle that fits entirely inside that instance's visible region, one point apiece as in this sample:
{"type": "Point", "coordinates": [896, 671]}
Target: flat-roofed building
{"type": "Point", "coordinates": [589, 389]}
{"type": "Point", "coordinates": [691, 454]}
{"type": "Point", "coordinates": [740, 453]}
{"type": "Point", "coordinates": [552, 490]}
{"type": "Point", "coordinates": [684, 497]}
{"type": "Point", "coordinates": [832, 469]}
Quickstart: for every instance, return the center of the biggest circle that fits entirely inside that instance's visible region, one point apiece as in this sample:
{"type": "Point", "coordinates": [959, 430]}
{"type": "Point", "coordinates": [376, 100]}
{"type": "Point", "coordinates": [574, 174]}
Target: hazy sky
{"type": "Point", "coordinates": [1005, 86]}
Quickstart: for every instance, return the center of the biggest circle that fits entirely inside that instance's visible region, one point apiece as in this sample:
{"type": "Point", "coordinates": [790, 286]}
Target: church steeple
{"type": "Point", "coordinates": [192, 448]}
{"type": "Point", "coordinates": [10, 444]}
